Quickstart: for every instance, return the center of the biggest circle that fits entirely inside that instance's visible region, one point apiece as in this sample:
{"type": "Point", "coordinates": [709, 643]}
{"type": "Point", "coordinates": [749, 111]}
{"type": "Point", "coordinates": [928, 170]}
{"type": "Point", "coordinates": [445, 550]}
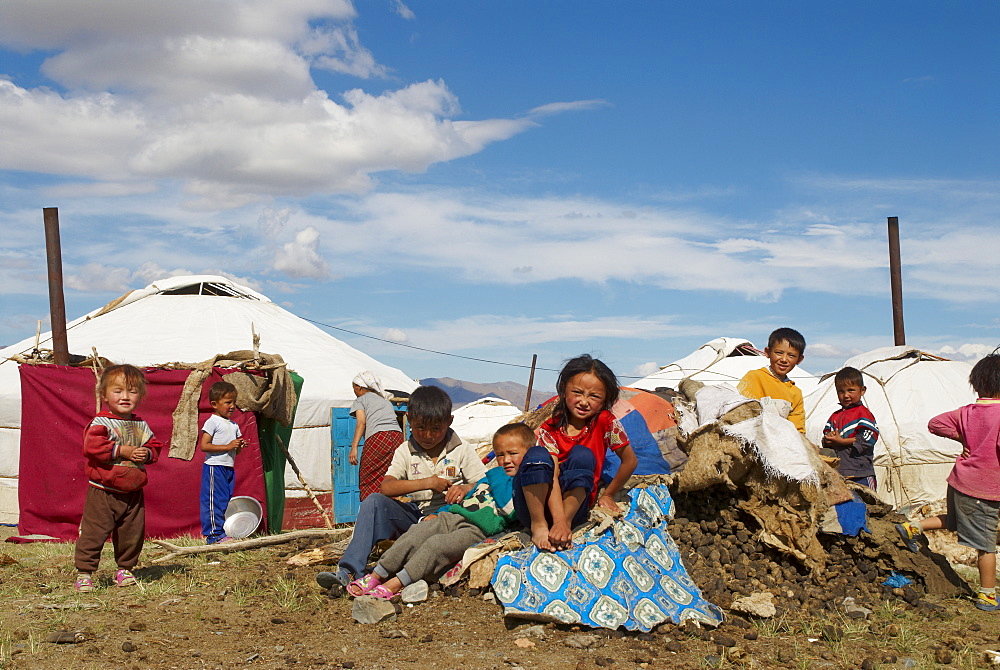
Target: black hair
{"type": "Point", "coordinates": [220, 390]}
{"type": "Point", "coordinates": [132, 375]}
{"type": "Point", "coordinates": [791, 336]}
{"type": "Point", "coordinates": [985, 376]}
{"type": "Point", "coordinates": [849, 376]}
{"type": "Point", "coordinates": [520, 430]}
{"type": "Point", "coordinates": [582, 364]}
{"type": "Point", "coordinates": [429, 404]}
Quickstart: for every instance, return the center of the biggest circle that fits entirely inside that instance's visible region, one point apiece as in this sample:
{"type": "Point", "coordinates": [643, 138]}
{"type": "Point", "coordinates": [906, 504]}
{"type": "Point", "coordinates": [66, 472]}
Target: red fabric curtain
{"type": "Point", "coordinates": [58, 402]}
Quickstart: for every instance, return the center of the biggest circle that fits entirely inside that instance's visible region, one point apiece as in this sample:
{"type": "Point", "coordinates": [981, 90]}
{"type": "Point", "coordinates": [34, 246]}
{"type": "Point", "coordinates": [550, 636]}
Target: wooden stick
{"type": "Point", "coordinates": [302, 480]}
{"type": "Point", "coordinates": [240, 545]}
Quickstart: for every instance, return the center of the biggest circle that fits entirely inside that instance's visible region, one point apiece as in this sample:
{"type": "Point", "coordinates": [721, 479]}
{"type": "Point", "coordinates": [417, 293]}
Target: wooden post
{"type": "Point", "coordinates": [896, 282]}
{"type": "Point", "coordinates": [531, 381]}
{"type": "Point", "coordinates": [57, 305]}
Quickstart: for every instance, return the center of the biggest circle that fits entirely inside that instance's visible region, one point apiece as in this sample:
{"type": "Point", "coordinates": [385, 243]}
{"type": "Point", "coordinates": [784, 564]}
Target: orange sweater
{"type": "Point", "coordinates": [762, 383]}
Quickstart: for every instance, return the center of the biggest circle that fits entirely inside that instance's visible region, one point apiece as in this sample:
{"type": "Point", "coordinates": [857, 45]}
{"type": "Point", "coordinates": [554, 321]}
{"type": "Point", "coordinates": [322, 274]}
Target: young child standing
{"type": "Point", "coordinates": [974, 482]}
{"type": "Point", "coordinates": [785, 349]}
{"type": "Point", "coordinates": [434, 545]}
{"type": "Point", "coordinates": [557, 483]}
{"type": "Point", "coordinates": [433, 468]}
{"type": "Point", "coordinates": [117, 445]}
{"type": "Point", "coordinates": [221, 440]}
{"type": "Point", "coordinates": [851, 431]}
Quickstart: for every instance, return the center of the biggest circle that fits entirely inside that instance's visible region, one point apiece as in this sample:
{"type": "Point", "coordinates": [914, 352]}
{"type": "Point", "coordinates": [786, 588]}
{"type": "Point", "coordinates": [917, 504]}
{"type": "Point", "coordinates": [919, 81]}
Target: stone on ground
{"type": "Point", "coordinates": [368, 609]}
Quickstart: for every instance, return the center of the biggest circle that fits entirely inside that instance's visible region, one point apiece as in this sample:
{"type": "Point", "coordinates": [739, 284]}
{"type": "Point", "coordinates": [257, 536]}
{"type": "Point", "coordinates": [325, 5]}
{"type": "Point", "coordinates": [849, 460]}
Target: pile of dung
{"type": "Point", "coordinates": [721, 549]}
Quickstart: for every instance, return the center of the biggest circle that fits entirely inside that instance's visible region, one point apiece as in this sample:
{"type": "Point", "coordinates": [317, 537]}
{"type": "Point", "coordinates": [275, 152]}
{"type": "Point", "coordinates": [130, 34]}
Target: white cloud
{"type": "Point", "coordinates": [98, 278]}
{"type": "Point", "coordinates": [404, 11]}
{"type": "Point", "coordinates": [300, 258]}
{"type": "Point", "coordinates": [645, 369]}
{"type": "Point", "coordinates": [965, 352]}
{"type": "Point", "coordinates": [219, 97]}
{"type": "Point", "coordinates": [395, 335]}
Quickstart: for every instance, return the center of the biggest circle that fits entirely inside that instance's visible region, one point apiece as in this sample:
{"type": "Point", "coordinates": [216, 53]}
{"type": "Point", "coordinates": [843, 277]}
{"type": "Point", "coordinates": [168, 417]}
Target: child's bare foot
{"type": "Point", "coordinates": [540, 538]}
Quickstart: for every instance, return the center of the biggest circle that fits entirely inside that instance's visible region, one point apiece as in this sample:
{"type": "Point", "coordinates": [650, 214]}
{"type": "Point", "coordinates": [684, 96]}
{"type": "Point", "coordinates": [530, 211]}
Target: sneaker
{"type": "Point", "coordinates": [124, 578]}
{"type": "Point", "coordinates": [909, 531]}
{"type": "Point", "coordinates": [84, 584]}
{"type": "Point", "coordinates": [987, 602]}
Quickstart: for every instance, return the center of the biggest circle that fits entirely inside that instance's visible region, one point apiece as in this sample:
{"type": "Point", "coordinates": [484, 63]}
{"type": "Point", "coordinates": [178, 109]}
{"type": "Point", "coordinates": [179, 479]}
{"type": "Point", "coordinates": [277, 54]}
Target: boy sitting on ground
{"type": "Point", "coordinates": [785, 349]}
{"type": "Point", "coordinates": [851, 431]}
{"type": "Point", "coordinates": [433, 468]}
{"type": "Point", "coordinates": [434, 545]}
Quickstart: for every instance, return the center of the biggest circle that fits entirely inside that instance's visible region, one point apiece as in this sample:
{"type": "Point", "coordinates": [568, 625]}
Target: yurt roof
{"type": "Point", "coordinates": [193, 318]}
{"type": "Point", "coordinates": [722, 360]}
{"type": "Point", "coordinates": [906, 387]}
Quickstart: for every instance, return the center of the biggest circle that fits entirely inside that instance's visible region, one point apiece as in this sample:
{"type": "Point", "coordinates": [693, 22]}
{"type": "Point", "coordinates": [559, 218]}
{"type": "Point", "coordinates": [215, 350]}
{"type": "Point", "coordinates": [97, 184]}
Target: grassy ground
{"type": "Point", "coordinates": [252, 610]}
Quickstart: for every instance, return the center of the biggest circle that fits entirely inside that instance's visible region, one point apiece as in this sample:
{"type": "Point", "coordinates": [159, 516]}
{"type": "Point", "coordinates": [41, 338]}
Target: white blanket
{"type": "Point", "coordinates": [772, 436]}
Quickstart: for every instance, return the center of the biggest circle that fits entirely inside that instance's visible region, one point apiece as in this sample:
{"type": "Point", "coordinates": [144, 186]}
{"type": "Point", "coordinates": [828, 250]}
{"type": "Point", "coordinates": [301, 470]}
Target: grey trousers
{"type": "Point", "coordinates": [429, 548]}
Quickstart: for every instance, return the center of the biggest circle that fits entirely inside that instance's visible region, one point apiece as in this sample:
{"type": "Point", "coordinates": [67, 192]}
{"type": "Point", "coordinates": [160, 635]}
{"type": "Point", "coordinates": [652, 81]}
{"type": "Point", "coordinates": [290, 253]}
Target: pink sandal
{"type": "Point", "coordinates": [363, 585]}
{"type": "Point", "coordinates": [382, 593]}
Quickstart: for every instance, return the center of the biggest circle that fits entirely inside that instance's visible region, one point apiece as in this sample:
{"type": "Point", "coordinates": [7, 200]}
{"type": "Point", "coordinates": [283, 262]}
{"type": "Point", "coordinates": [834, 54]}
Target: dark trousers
{"type": "Point", "coordinates": [538, 467]}
{"type": "Point", "coordinates": [120, 515]}
{"type": "Point", "coordinates": [379, 518]}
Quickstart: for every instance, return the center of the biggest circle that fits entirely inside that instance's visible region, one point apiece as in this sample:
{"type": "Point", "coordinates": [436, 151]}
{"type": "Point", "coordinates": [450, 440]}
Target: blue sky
{"type": "Point", "coordinates": [501, 179]}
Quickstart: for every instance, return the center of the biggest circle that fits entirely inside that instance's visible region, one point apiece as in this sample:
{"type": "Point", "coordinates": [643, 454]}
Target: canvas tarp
{"type": "Point", "coordinates": [905, 389]}
{"type": "Point", "coordinates": [60, 402]}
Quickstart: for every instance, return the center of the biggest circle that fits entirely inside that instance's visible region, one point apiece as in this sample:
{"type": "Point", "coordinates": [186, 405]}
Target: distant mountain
{"type": "Point", "coordinates": [462, 393]}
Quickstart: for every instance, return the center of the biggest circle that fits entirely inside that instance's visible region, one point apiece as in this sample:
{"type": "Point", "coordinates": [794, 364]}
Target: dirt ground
{"type": "Point", "coordinates": [251, 609]}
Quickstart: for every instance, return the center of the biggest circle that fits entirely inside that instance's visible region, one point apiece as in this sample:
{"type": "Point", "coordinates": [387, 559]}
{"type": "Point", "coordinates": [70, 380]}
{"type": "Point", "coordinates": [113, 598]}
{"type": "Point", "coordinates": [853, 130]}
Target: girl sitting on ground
{"type": "Point", "coordinates": [557, 483]}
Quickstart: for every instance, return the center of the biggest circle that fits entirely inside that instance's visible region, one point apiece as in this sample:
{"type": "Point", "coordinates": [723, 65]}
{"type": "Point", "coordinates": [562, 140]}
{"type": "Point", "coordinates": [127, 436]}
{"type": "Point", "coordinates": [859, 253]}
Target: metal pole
{"type": "Point", "coordinates": [531, 382]}
{"type": "Point", "coordinates": [57, 305]}
{"type": "Point", "coordinates": [896, 282]}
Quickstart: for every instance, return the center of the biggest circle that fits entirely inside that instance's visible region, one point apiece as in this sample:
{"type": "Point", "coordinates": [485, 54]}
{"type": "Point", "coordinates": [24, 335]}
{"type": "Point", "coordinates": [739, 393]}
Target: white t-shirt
{"type": "Point", "coordinates": [221, 431]}
{"type": "Point", "coordinates": [458, 463]}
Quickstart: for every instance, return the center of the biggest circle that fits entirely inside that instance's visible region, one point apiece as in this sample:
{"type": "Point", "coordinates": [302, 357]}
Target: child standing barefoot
{"type": "Point", "coordinates": [557, 483]}
{"type": "Point", "coordinates": [117, 445]}
{"type": "Point", "coordinates": [974, 482]}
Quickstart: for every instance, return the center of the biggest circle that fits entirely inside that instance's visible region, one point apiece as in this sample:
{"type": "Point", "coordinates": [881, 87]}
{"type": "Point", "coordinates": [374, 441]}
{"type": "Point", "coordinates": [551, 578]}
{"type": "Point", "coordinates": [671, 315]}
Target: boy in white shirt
{"type": "Point", "coordinates": [221, 440]}
{"type": "Point", "coordinates": [433, 468]}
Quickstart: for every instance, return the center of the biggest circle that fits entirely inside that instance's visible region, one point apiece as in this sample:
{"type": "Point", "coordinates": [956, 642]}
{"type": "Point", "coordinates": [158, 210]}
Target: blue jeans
{"type": "Point", "coordinates": [538, 467]}
{"type": "Point", "coordinates": [379, 518]}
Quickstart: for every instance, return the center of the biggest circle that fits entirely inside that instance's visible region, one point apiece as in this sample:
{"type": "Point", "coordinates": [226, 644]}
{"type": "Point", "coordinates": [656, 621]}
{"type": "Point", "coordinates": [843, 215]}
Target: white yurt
{"type": "Point", "coordinates": [723, 360]}
{"type": "Point", "coordinates": [477, 421]}
{"type": "Point", "coordinates": [191, 319]}
{"type": "Point", "coordinates": [905, 389]}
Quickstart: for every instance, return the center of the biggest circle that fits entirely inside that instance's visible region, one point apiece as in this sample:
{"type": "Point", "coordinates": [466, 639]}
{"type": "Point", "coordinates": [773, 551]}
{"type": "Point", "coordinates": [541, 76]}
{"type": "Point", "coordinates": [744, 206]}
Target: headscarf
{"type": "Point", "coordinates": [368, 380]}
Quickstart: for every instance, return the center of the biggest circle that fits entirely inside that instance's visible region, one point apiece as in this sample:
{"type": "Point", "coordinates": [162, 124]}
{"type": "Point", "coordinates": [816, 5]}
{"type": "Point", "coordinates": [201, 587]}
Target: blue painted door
{"type": "Point", "coordinates": [346, 494]}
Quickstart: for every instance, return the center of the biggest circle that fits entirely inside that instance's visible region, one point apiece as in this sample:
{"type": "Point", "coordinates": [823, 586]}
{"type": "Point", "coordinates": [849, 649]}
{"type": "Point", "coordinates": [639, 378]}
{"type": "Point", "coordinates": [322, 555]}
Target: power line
{"type": "Point", "coordinates": [430, 351]}
{"type": "Point", "coordinates": [434, 351]}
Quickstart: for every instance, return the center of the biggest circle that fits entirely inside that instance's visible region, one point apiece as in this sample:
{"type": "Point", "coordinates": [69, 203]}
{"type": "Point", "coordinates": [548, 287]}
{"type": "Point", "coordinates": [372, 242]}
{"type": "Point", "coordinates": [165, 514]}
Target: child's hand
{"type": "Point", "coordinates": [139, 455]}
{"type": "Point", "coordinates": [455, 493]}
{"type": "Point", "coordinates": [439, 484]}
{"type": "Point", "coordinates": [608, 503]}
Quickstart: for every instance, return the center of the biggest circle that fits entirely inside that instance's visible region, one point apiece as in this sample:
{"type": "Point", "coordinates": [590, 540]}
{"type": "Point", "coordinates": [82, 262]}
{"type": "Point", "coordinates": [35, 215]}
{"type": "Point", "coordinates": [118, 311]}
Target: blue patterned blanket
{"type": "Point", "coordinates": [630, 575]}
